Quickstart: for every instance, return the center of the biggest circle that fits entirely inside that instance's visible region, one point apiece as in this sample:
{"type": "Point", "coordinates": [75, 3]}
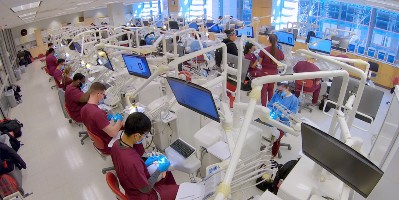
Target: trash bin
{"type": "Point", "coordinates": [18, 74]}
{"type": "Point", "coordinates": [11, 98]}
{"type": "Point", "coordinates": [22, 68]}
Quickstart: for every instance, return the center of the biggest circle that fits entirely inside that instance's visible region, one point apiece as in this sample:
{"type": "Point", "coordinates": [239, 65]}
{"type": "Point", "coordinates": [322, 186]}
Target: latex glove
{"type": "Point", "coordinates": [110, 116]}
{"type": "Point", "coordinates": [163, 163]}
{"type": "Point", "coordinates": [118, 117]}
{"type": "Point", "coordinates": [150, 160]}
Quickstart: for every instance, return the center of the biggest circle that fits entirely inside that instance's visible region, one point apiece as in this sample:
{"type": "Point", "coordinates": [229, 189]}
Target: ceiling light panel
{"type": "Point", "coordinates": [26, 6]}
{"type": "Point", "coordinates": [27, 14]}
{"type": "Point", "coordinates": [73, 8]}
{"type": "Point", "coordinates": [84, 3]}
{"type": "Point", "coordinates": [31, 17]}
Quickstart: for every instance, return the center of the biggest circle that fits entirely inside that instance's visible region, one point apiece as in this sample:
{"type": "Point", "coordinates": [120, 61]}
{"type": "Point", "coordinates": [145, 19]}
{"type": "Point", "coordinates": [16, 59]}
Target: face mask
{"type": "Point", "coordinates": [62, 67]}
{"type": "Point", "coordinates": [141, 141]}
{"type": "Point", "coordinates": [283, 94]}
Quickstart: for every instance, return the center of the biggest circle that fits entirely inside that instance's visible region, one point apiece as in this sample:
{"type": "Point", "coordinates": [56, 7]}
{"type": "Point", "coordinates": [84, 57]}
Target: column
{"type": "Point", "coordinates": [116, 14]}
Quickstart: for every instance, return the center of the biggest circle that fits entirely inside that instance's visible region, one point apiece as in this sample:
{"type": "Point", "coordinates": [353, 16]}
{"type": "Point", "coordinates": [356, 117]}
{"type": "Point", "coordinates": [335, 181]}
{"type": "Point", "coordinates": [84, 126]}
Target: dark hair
{"type": "Point", "coordinates": [51, 50]}
{"type": "Point", "coordinates": [248, 47]}
{"type": "Point", "coordinates": [50, 44]}
{"type": "Point", "coordinates": [96, 87]}
{"type": "Point", "coordinates": [137, 122]}
{"type": "Point", "coordinates": [22, 47]}
{"type": "Point", "coordinates": [78, 76]}
{"type": "Point", "coordinates": [60, 61]}
{"type": "Point", "coordinates": [273, 42]}
{"type": "Point", "coordinates": [284, 84]}
{"type": "Point", "coordinates": [229, 32]}
{"type": "Point", "coordinates": [310, 34]}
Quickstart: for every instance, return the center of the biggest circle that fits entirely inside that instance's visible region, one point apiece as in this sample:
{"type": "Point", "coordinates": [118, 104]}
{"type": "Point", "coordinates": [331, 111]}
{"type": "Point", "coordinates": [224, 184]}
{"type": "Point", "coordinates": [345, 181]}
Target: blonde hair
{"type": "Point", "coordinates": [67, 71]}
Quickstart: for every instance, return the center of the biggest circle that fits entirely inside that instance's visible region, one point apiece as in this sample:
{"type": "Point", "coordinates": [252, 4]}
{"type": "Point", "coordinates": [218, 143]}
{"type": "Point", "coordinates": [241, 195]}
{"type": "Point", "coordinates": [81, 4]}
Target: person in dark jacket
{"type": "Point", "coordinates": [9, 159]}
{"type": "Point", "coordinates": [229, 41]}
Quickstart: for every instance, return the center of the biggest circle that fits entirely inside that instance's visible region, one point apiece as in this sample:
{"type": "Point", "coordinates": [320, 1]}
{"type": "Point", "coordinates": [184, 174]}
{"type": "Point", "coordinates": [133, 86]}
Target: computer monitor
{"type": "Point", "coordinates": [361, 50]}
{"type": "Point", "coordinates": [351, 47]}
{"type": "Point", "coordinates": [214, 29]}
{"type": "Point", "coordinates": [145, 23]}
{"type": "Point", "coordinates": [103, 59]}
{"type": "Point", "coordinates": [371, 52]}
{"type": "Point", "coordinates": [174, 25]}
{"type": "Point", "coordinates": [77, 46]}
{"type": "Point", "coordinates": [194, 26]}
{"type": "Point", "coordinates": [285, 38]}
{"type": "Point", "coordinates": [160, 24]}
{"type": "Point", "coordinates": [320, 45]}
{"type": "Point", "coordinates": [137, 65]}
{"type": "Point", "coordinates": [194, 97]}
{"type": "Point", "coordinates": [209, 24]}
{"type": "Point", "coordinates": [391, 58]}
{"type": "Point", "coordinates": [248, 31]}
{"type": "Point", "coordinates": [342, 161]}
{"type": "Point", "coordinates": [381, 55]}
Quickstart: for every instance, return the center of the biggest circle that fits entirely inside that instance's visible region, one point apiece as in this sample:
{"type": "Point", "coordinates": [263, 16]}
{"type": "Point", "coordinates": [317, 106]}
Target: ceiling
{"type": "Point", "coordinates": [50, 9]}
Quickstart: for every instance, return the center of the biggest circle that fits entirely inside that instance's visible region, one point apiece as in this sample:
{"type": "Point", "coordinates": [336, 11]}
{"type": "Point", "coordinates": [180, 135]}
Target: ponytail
{"type": "Point", "coordinates": [247, 48]}
{"type": "Point", "coordinates": [273, 42]}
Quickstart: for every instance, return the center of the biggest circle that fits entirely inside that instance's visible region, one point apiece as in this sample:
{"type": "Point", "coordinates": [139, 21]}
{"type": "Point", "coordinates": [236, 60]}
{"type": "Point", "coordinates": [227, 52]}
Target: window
{"type": "Point", "coordinates": [151, 9]}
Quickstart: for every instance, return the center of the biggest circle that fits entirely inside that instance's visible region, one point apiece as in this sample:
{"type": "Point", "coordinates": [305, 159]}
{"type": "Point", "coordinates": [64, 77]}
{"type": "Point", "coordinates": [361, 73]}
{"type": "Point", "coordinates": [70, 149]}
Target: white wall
{"type": "Point", "coordinates": [55, 22]}
{"type": "Point", "coordinates": [99, 13]}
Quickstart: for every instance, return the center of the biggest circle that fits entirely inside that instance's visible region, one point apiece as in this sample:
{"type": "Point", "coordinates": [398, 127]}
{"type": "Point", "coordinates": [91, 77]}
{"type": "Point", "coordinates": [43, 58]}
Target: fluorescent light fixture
{"type": "Point", "coordinates": [73, 8]}
{"type": "Point", "coordinates": [84, 3]}
{"type": "Point", "coordinates": [27, 18]}
{"type": "Point", "coordinates": [27, 14]}
{"type": "Point", "coordinates": [26, 6]}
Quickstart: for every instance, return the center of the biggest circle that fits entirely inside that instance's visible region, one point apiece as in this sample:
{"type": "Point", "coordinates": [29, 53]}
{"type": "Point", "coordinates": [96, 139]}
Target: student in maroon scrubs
{"type": "Point", "coordinates": [66, 77]}
{"type": "Point", "coordinates": [308, 66]}
{"type": "Point", "coordinates": [132, 170]}
{"type": "Point", "coordinates": [269, 67]}
{"type": "Point", "coordinates": [249, 55]}
{"type": "Point", "coordinates": [51, 62]}
{"type": "Point", "coordinates": [75, 99]}
{"type": "Point", "coordinates": [96, 120]}
{"type": "Point", "coordinates": [58, 72]}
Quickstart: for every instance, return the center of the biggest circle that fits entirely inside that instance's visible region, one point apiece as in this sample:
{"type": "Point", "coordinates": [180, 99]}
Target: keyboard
{"type": "Point", "coordinates": [182, 148]}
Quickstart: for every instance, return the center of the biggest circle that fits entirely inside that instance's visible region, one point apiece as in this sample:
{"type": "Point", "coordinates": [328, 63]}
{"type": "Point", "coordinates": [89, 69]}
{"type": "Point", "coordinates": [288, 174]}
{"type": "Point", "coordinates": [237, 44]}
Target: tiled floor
{"type": "Point", "coordinates": [59, 167]}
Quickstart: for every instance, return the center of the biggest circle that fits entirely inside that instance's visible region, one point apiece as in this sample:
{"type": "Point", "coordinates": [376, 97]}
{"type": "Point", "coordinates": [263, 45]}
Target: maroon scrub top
{"type": "Point", "coordinates": [58, 75]}
{"type": "Point", "coordinates": [65, 82]}
{"type": "Point", "coordinates": [72, 96]}
{"type": "Point", "coordinates": [133, 174]}
{"type": "Point", "coordinates": [267, 64]}
{"type": "Point", "coordinates": [255, 72]}
{"type": "Point", "coordinates": [51, 62]}
{"type": "Point", "coordinates": [96, 120]}
{"type": "Point", "coordinates": [305, 66]}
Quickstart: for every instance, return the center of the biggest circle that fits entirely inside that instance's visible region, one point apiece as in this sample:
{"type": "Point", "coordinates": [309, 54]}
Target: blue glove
{"type": "Point", "coordinates": [118, 117]}
{"type": "Point", "coordinates": [163, 163]}
{"type": "Point", "coordinates": [110, 116]}
{"type": "Point", "coordinates": [150, 160]}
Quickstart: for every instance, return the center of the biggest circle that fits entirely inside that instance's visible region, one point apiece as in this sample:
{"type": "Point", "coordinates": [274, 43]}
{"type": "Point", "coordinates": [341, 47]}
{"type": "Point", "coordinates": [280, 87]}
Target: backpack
{"type": "Point", "coordinates": [8, 186]}
{"type": "Point", "coordinates": [219, 55]}
{"type": "Point", "coordinates": [11, 126]}
{"type": "Point", "coordinates": [15, 143]}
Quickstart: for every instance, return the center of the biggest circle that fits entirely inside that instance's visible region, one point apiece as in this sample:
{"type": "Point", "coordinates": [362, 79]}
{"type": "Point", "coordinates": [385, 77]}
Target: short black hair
{"type": "Point", "coordinates": [60, 61]}
{"type": "Point", "coordinates": [50, 44]}
{"type": "Point", "coordinates": [137, 122]}
{"type": "Point", "coordinates": [51, 50]}
{"type": "Point", "coordinates": [78, 76]}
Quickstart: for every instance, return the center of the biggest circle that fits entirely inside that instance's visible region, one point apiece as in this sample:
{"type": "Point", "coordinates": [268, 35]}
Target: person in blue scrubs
{"type": "Point", "coordinates": [283, 96]}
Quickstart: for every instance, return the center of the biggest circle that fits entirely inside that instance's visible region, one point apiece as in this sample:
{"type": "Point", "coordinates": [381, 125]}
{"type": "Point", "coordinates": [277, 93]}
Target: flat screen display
{"type": "Point", "coordinates": [213, 29]}
{"type": "Point", "coordinates": [285, 38]}
{"type": "Point", "coordinates": [320, 45]}
{"type": "Point", "coordinates": [159, 24]}
{"type": "Point", "coordinates": [361, 50]}
{"type": "Point", "coordinates": [137, 65]}
{"type": "Point", "coordinates": [174, 25]}
{"type": "Point", "coordinates": [194, 97]}
{"type": "Point", "coordinates": [381, 55]}
{"type": "Point", "coordinates": [391, 58]}
{"type": "Point", "coordinates": [194, 26]}
{"type": "Point", "coordinates": [351, 47]}
{"type": "Point", "coordinates": [248, 31]}
{"type": "Point", "coordinates": [77, 46]}
{"type": "Point", "coordinates": [339, 159]}
{"type": "Point", "coordinates": [104, 60]}
{"type": "Point", "coordinates": [371, 52]}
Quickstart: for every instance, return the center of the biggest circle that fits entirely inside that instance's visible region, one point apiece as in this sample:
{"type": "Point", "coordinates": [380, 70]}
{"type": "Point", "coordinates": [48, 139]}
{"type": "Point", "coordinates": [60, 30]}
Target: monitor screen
{"type": "Point", "coordinates": [391, 58]}
{"type": "Point", "coordinates": [342, 161]}
{"type": "Point", "coordinates": [103, 59]}
{"type": "Point", "coordinates": [214, 29]}
{"type": "Point", "coordinates": [174, 25]}
{"type": "Point", "coordinates": [320, 45]}
{"type": "Point", "coordinates": [77, 46]}
{"type": "Point", "coordinates": [194, 26]}
{"type": "Point", "coordinates": [145, 23]}
{"type": "Point", "coordinates": [159, 24]}
{"type": "Point", "coordinates": [361, 50]}
{"type": "Point", "coordinates": [248, 31]}
{"type": "Point", "coordinates": [137, 65]}
{"type": "Point", "coordinates": [351, 47]}
{"type": "Point", "coordinates": [371, 52]}
{"type": "Point", "coordinates": [381, 55]}
{"type": "Point", "coordinates": [285, 38]}
{"type": "Point", "coordinates": [194, 97]}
